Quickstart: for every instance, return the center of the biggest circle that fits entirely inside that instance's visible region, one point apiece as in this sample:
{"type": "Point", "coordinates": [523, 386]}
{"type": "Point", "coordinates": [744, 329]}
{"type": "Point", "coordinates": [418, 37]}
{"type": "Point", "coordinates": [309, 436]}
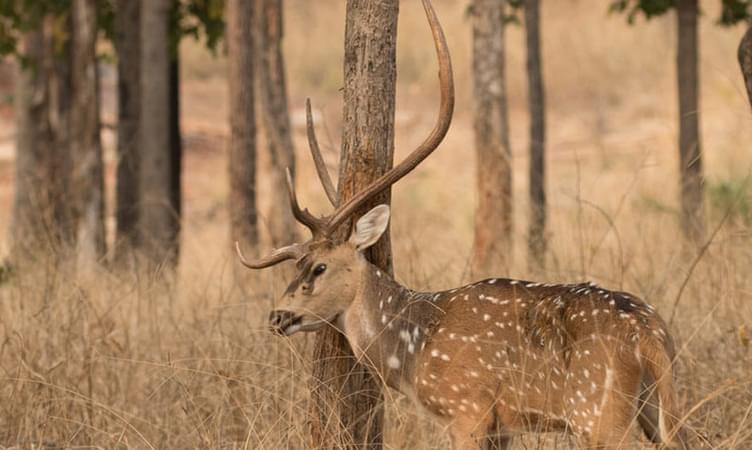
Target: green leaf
{"type": "Point", "coordinates": [734, 11]}
{"type": "Point", "coordinates": [648, 8]}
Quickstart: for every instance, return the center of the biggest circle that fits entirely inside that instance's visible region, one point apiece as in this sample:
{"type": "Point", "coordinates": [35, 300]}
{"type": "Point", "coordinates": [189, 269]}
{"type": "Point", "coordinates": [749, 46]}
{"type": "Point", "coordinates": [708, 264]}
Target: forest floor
{"type": "Point", "coordinates": [114, 360]}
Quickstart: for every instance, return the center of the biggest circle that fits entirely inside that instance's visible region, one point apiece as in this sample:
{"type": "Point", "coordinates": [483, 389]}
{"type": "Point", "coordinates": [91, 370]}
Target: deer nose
{"type": "Point", "coordinates": [279, 320]}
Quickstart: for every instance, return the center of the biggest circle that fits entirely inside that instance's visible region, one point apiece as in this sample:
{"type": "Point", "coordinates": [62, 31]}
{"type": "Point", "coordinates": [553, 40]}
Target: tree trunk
{"type": "Point", "coordinates": [690, 159]}
{"type": "Point", "coordinates": [42, 219]}
{"type": "Point", "coordinates": [60, 80]}
{"type": "Point", "coordinates": [347, 400]}
{"type": "Point", "coordinates": [127, 45]}
{"type": "Point", "coordinates": [537, 227]}
{"type": "Point", "coordinates": [176, 152]}
{"type": "Point", "coordinates": [33, 225]}
{"type": "Point", "coordinates": [493, 216]}
{"type": "Point", "coordinates": [745, 61]}
{"type": "Point", "coordinates": [156, 214]}
{"type": "Point", "coordinates": [88, 181]}
{"type": "Point", "coordinates": [273, 92]}
{"type": "Point", "coordinates": [242, 153]}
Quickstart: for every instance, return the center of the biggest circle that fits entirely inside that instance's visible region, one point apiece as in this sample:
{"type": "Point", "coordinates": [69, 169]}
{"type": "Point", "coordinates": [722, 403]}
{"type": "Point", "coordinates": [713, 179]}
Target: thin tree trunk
{"type": "Point", "coordinates": [347, 400]}
{"type": "Point", "coordinates": [86, 146]}
{"type": "Point", "coordinates": [156, 215]}
{"type": "Point", "coordinates": [42, 218]}
{"type": "Point", "coordinates": [176, 152]}
{"type": "Point", "coordinates": [493, 216]}
{"type": "Point", "coordinates": [745, 61]}
{"type": "Point", "coordinates": [536, 99]}
{"type": "Point", "coordinates": [242, 154]}
{"type": "Point", "coordinates": [690, 160]}
{"type": "Point", "coordinates": [127, 44]}
{"type": "Point", "coordinates": [273, 93]}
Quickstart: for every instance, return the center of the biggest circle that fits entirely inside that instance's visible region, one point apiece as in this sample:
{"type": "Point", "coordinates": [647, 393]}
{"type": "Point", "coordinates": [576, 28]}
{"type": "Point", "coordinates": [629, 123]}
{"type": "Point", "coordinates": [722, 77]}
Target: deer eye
{"type": "Point", "coordinates": [318, 270]}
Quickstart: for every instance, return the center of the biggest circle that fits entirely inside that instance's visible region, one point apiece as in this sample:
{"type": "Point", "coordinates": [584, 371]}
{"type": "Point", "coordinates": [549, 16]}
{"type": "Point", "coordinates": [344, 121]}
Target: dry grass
{"type": "Point", "coordinates": [114, 360]}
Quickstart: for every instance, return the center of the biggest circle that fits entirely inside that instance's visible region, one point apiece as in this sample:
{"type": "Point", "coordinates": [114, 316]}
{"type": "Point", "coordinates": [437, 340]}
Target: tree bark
{"type": "Point", "coordinates": [42, 218]}
{"type": "Point", "coordinates": [347, 400]}
{"type": "Point", "coordinates": [128, 48]}
{"type": "Point", "coordinates": [690, 159]}
{"type": "Point", "coordinates": [242, 152]}
{"type": "Point", "coordinates": [88, 181]}
{"type": "Point", "coordinates": [276, 118]}
{"type": "Point", "coordinates": [493, 216]}
{"type": "Point", "coordinates": [156, 214]}
{"type": "Point", "coordinates": [536, 99]}
{"type": "Point", "coordinates": [745, 61]}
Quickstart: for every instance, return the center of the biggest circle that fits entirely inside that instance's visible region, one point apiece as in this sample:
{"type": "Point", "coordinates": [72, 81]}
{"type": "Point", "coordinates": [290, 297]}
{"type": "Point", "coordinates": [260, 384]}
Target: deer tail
{"type": "Point", "coordinates": [658, 382]}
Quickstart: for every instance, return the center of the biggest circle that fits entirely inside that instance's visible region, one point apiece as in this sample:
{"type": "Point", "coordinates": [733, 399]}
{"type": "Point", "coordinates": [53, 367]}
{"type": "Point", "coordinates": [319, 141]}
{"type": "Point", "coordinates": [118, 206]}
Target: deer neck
{"type": "Point", "coordinates": [387, 326]}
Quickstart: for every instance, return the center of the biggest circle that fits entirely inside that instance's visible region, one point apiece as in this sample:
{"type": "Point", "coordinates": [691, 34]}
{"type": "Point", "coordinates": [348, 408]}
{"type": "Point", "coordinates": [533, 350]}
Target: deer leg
{"type": "Point", "coordinates": [613, 430]}
{"type": "Point", "coordinates": [469, 432]}
{"type": "Point", "coordinates": [497, 442]}
{"type": "Point", "coordinates": [496, 438]}
{"type": "Point", "coordinates": [603, 397]}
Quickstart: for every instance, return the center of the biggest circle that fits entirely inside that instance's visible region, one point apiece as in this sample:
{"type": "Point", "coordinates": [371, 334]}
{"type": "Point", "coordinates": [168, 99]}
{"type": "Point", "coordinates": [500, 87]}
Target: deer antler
{"type": "Point", "coordinates": [316, 225]}
{"type": "Point", "coordinates": [446, 109]}
{"type": "Point", "coordinates": [293, 251]}
{"type": "Point", "coordinates": [318, 160]}
{"type": "Point", "coordinates": [323, 227]}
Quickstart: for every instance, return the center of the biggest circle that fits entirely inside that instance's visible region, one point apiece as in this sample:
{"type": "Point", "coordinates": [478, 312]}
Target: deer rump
{"type": "Point", "coordinates": [631, 335]}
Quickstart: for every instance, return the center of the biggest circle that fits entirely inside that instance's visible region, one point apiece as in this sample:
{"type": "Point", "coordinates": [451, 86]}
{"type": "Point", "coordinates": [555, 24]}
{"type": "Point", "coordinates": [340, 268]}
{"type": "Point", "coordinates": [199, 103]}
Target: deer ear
{"type": "Point", "coordinates": [370, 227]}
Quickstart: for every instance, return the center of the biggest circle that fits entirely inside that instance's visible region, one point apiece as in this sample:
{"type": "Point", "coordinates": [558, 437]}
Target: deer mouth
{"type": "Point", "coordinates": [286, 323]}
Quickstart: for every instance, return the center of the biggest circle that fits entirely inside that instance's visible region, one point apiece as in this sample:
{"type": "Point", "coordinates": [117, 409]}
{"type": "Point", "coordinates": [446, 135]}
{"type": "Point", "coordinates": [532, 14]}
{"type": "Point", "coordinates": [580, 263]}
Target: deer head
{"type": "Point", "coordinates": [328, 278]}
{"type": "Point", "coordinates": [328, 269]}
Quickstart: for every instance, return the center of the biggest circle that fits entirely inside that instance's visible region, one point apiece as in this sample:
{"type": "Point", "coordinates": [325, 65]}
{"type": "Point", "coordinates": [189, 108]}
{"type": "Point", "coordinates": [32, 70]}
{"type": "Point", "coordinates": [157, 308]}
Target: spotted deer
{"type": "Point", "coordinates": [498, 354]}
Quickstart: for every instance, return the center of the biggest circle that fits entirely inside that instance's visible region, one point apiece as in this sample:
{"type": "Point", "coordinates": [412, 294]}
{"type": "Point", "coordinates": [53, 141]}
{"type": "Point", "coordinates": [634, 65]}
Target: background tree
{"type": "Point", "coordinates": [88, 175]}
{"type": "Point", "coordinates": [38, 35]}
{"type": "Point", "coordinates": [493, 216]}
{"type": "Point", "coordinates": [176, 150]}
{"type": "Point", "coordinates": [276, 119]}
{"type": "Point", "coordinates": [688, 82]}
{"type": "Point", "coordinates": [347, 401]}
{"type": "Point", "coordinates": [196, 18]}
{"type": "Point", "coordinates": [127, 46]}
{"type": "Point", "coordinates": [537, 107]}
{"type": "Point", "coordinates": [157, 215]}
{"type": "Point", "coordinates": [242, 146]}
{"type": "Point", "coordinates": [690, 154]}
{"type": "Point", "coordinates": [745, 61]}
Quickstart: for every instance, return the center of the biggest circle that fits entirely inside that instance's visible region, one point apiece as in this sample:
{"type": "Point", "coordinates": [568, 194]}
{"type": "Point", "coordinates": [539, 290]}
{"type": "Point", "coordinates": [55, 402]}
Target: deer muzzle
{"type": "Point", "coordinates": [283, 322]}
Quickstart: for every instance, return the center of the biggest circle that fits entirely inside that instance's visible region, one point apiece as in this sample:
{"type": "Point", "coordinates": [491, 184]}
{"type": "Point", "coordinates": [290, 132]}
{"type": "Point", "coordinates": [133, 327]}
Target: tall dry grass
{"type": "Point", "coordinates": [113, 359]}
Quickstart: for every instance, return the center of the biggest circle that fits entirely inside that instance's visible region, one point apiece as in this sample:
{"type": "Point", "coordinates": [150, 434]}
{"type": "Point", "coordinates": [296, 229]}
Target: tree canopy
{"type": "Point", "coordinates": [732, 11]}
{"type": "Point", "coordinates": [200, 19]}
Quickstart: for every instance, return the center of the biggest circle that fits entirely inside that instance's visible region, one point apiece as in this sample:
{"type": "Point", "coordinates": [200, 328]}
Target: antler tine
{"type": "Point", "coordinates": [293, 251]}
{"type": "Point", "coordinates": [446, 109]}
{"type": "Point", "coordinates": [302, 215]}
{"type": "Point", "coordinates": [318, 159]}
